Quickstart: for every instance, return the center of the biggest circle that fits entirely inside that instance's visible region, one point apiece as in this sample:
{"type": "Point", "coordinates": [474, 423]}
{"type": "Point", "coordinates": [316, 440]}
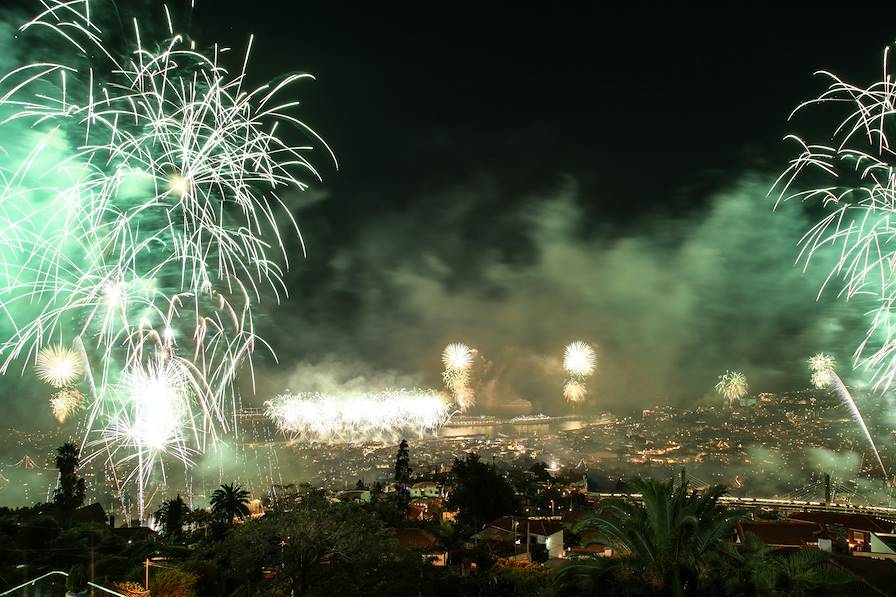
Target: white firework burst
{"type": "Point", "coordinates": [357, 417]}
{"type": "Point", "coordinates": [579, 359]}
{"type": "Point", "coordinates": [58, 366]}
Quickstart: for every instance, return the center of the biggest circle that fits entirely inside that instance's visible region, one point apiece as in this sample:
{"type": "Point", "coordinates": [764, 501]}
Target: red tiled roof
{"type": "Point", "coordinates": [496, 534]}
{"type": "Point", "coordinates": [861, 522]}
{"type": "Point", "coordinates": [595, 548]}
{"type": "Point", "coordinates": [415, 512]}
{"type": "Point", "coordinates": [415, 538]}
{"type": "Point", "coordinates": [785, 533]}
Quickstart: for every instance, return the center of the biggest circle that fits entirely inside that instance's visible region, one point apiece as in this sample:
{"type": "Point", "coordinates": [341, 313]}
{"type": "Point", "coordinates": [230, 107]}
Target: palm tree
{"type": "Point", "coordinates": [67, 458]}
{"type": "Point", "coordinates": [757, 569]}
{"type": "Point", "coordinates": [171, 515]}
{"type": "Point", "coordinates": [660, 543]}
{"type": "Point", "coordinates": [230, 501]}
{"type": "Point", "coordinates": [69, 495]}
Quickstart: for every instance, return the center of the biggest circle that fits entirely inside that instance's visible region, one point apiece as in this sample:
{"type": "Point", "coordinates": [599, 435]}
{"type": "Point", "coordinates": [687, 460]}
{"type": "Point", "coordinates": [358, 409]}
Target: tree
{"type": "Point", "coordinates": [402, 463]}
{"type": "Point", "coordinates": [757, 569]}
{"type": "Point", "coordinates": [338, 548]}
{"type": "Point", "coordinates": [480, 493]}
{"type": "Point", "coordinates": [540, 471]}
{"type": "Point", "coordinates": [230, 501]}
{"type": "Point", "coordinates": [661, 543]}
{"type": "Point", "coordinates": [171, 516]}
{"type": "Point", "coordinates": [69, 495]}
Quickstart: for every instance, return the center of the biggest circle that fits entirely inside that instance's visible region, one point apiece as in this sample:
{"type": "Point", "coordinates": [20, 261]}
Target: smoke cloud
{"type": "Point", "coordinates": [670, 301]}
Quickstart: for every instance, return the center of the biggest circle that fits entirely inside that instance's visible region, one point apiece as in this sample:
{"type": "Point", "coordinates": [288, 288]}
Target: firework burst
{"type": "Point", "coordinates": [150, 416]}
{"type": "Point", "coordinates": [732, 385]}
{"type": "Point", "coordinates": [851, 175]}
{"type": "Point", "coordinates": [358, 417]}
{"type": "Point", "coordinates": [579, 359]}
{"type": "Point", "coordinates": [574, 391]}
{"type": "Point", "coordinates": [58, 366]}
{"type": "Point", "coordinates": [457, 359]}
{"type": "Point", "coordinates": [822, 369]}
{"type": "Point", "coordinates": [579, 362]}
{"type": "Point", "coordinates": [65, 402]}
{"type": "Point", "coordinates": [152, 238]}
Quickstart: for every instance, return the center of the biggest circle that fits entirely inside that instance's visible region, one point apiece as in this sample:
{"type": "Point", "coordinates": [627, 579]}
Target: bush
{"type": "Point", "coordinates": [77, 579]}
{"type": "Point", "coordinates": [174, 582]}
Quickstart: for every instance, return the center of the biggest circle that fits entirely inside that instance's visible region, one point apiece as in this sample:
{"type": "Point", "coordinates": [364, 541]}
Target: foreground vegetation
{"type": "Point", "coordinates": [672, 542]}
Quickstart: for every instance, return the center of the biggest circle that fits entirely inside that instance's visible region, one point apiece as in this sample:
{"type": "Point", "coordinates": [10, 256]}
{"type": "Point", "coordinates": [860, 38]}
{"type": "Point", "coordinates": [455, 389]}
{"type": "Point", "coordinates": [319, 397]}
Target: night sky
{"type": "Point", "coordinates": [517, 178]}
{"type": "Point", "coordinates": [415, 102]}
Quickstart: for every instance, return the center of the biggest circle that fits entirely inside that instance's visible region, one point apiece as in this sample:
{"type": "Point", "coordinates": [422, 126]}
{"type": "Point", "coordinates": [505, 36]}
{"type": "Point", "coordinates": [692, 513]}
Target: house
{"type": "Point", "coordinates": [861, 522]}
{"type": "Point", "coordinates": [425, 542]}
{"type": "Point", "coordinates": [425, 489]}
{"type": "Point", "coordinates": [93, 513]}
{"type": "Point", "coordinates": [510, 531]}
{"type": "Point", "coordinates": [131, 534]}
{"type": "Point", "coordinates": [588, 551]}
{"type": "Point", "coordinates": [393, 487]}
{"type": "Point", "coordinates": [354, 495]}
{"type": "Point", "coordinates": [865, 536]}
{"type": "Point", "coordinates": [431, 507]}
{"type": "Point", "coordinates": [782, 534]}
{"type": "Point", "coordinates": [415, 512]}
{"type": "Point", "coordinates": [589, 545]}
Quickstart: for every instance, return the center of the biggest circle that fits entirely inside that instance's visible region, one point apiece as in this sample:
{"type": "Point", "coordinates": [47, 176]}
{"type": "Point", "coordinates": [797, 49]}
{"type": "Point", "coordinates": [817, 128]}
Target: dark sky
{"type": "Point", "coordinates": [420, 99]}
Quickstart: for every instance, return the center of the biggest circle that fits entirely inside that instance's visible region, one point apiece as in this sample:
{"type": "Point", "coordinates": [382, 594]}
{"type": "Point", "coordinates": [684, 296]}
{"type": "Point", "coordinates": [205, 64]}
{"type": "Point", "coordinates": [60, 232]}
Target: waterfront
{"type": "Point", "coordinates": [778, 447]}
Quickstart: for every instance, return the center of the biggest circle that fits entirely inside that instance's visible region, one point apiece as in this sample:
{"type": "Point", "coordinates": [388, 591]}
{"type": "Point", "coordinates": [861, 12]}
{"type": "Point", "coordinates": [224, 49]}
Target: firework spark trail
{"type": "Point", "coordinates": [851, 174]}
{"type": "Point", "coordinates": [840, 389]}
{"type": "Point", "coordinates": [824, 376]}
{"type": "Point", "coordinates": [457, 358]}
{"type": "Point", "coordinates": [732, 385]}
{"type": "Point", "coordinates": [150, 240]}
{"type": "Point", "coordinates": [579, 362]}
{"type": "Point", "coordinates": [358, 417]}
